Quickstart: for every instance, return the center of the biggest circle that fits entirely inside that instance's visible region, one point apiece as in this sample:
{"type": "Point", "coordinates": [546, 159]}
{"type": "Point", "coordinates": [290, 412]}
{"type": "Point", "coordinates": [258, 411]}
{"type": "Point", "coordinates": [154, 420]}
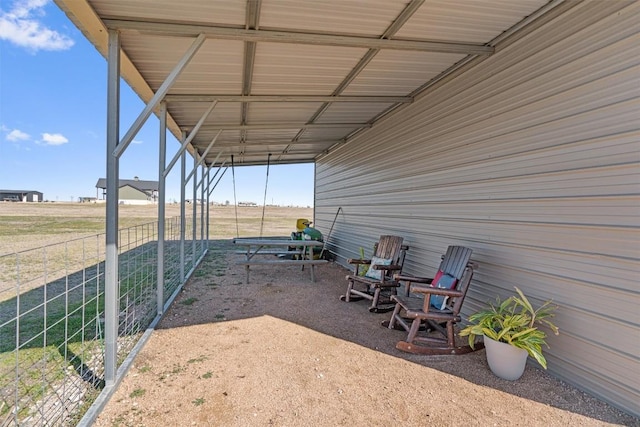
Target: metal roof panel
{"type": "Point", "coordinates": [400, 72]}
{"type": "Point", "coordinates": [348, 17]}
{"type": "Point", "coordinates": [289, 69]}
{"type": "Point", "coordinates": [466, 20]}
{"type": "Point", "coordinates": [323, 51]}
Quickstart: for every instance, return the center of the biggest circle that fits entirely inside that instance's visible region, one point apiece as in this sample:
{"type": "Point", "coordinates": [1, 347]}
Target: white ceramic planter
{"type": "Point", "coordinates": [506, 361]}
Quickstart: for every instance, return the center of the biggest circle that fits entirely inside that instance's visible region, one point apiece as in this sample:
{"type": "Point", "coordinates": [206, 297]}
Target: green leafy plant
{"type": "Point", "coordinates": [137, 393]}
{"type": "Point", "coordinates": [514, 321]}
{"type": "Point", "coordinates": [362, 271]}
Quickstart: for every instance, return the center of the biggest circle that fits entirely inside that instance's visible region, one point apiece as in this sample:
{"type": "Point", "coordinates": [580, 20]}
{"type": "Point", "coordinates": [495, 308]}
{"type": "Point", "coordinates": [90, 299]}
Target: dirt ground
{"type": "Point", "coordinates": [284, 351]}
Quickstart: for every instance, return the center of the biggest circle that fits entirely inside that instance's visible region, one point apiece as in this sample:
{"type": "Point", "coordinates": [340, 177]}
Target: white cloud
{"type": "Point", "coordinates": [17, 135]}
{"type": "Point", "coordinates": [54, 139]}
{"type": "Point", "coordinates": [21, 27]}
{"type": "Point", "coordinates": [136, 141]}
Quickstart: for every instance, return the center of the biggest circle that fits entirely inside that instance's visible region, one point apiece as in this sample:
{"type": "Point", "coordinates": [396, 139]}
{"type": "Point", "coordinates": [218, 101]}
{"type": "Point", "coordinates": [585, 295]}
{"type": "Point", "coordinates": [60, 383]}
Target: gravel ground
{"type": "Point", "coordinates": [284, 351]}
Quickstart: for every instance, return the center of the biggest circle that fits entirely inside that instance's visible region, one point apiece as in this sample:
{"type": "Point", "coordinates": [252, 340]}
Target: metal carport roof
{"type": "Point", "coordinates": [290, 78]}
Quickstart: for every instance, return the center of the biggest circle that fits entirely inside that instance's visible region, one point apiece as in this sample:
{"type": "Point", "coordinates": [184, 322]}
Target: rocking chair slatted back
{"type": "Point", "coordinates": [413, 312]}
{"type": "Point", "coordinates": [377, 289]}
{"type": "Point", "coordinates": [389, 247]}
{"type": "Point", "coordinates": [455, 260]}
{"type": "Point", "coordinates": [455, 302]}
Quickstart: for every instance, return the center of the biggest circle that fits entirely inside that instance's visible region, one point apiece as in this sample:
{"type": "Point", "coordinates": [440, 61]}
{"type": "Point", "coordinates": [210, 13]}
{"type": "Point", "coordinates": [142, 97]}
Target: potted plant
{"type": "Point", "coordinates": [511, 333]}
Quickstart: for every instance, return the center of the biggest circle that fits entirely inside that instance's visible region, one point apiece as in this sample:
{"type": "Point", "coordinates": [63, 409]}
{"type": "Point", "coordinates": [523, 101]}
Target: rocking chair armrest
{"type": "Point", "coordinates": [412, 279]}
{"type": "Point", "coordinates": [358, 261]}
{"type": "Point", "coordinates": [387, 267]}
{"type": "Point", "coordinates": [436, 291]}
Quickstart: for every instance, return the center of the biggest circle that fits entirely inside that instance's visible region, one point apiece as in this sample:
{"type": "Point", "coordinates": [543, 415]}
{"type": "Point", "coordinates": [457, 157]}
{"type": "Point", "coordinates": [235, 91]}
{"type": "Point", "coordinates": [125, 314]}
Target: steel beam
{"type": "Point", "coordinates": [194, 206]}
{"type": "Point", "coordinates": [286, 98]}
{"type": "Point", "coordinates": [157, 97]}
{"type": "Point", "coordinates": [214, 176]}
{"type": "Point", "coordinates": [183, 166]}
{"type": "Point", "coordinates": [186, 141]}
{"type": "Point", "coordinates": [204, 155]}
{"type": "Point", "coordinates": [284, 125]}
{"type": "Point", "coordinates": [111, 291]}
{"type": "Point", "coordinates": [164, 28]}
{"type": "Point", "coordinates": [216, 184]}
{"type": "Point", "coordinates": [203, 177]}
{"type": "Point", "coordinates": [162, 181]}
{"type": "Point", "coordinates": [208, 203]}
{"type": "Point", "coordinates": [216, 159]}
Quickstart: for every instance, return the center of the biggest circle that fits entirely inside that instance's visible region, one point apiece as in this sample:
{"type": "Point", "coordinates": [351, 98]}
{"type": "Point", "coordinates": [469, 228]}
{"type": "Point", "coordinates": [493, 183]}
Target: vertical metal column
{"type": "Point", "coordinates": [111, 248]}
{"type": "Point", "coordinates": [208, 203]}
{"type": "Point", "coordinates": [194, 218]}
{"type": "Point", "coordinates": [162, 159]}
{"type": "Point", "coordinates": [202, 205]}
{"type": "Point", "coordinates": [183, 165]}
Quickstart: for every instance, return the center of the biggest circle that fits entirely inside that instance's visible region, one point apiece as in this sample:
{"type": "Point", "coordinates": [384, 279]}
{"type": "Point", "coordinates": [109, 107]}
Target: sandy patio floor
{"type": "Point", "coordinates": [284, 351]}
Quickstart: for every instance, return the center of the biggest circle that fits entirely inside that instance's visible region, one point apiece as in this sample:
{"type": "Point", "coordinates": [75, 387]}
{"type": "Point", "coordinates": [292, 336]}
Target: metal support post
{"type": "Point", "coordinates": [208, 205]}
{"type": "Point", "coordinates": [183, 165]}
{"type": "Point", "coordinates": [202, 205]}
{"type": "Point", "coordinates": [111, 256]}
{"type": "Point", "coordinates": [162, 158]}
{"type": "Point", "coordinates": [194, 207]}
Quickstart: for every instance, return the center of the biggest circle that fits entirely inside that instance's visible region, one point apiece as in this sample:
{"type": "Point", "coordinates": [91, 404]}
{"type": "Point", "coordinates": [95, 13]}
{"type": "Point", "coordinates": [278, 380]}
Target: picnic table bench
{"type": "Point", "coordinates": [302, 252]}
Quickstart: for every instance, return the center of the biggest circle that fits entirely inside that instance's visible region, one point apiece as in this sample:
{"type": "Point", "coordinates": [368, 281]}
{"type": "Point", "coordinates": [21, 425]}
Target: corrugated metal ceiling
{"type": "Point", "coordinates": [292, 78]}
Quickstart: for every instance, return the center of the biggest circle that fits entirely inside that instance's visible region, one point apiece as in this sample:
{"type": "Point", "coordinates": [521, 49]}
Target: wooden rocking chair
{"type": "Point", "coordinates": [378, 284]}
{"type": "Point", "coordinates": [439, 309]}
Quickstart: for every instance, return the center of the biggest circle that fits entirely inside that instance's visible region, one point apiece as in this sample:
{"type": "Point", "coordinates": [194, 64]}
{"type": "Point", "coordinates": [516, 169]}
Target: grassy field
{"type": "Point", "coordinates": [60, 347]}
{"type": "Point", "coordinates": [31, 225]}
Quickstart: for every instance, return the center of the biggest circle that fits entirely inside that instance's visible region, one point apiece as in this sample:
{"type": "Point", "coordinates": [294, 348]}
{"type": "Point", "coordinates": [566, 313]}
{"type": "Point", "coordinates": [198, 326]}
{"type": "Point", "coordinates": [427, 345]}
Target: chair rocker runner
{"type": "Point", "coordinates": [378, 284]}
{"type": "Point", "coordinates": [439, 308]}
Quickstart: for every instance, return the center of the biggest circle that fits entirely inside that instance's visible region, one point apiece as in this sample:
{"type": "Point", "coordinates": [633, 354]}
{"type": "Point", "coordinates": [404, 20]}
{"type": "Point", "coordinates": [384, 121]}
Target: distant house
{"type": "Point", "coordinates": [130, 191]}
{"type": "Point", "coordinates": [20, 196]}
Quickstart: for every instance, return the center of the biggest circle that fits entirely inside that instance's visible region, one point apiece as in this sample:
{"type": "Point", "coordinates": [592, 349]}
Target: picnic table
{"type": "Point", "coordinates": [287, 251]}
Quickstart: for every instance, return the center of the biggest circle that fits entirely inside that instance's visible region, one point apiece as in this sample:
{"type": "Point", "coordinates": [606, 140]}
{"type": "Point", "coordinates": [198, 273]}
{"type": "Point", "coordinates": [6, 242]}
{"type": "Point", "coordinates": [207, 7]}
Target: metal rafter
{"type": "Point", "coordinates": [286, 98]}
{"type": "Point", "coordinates": [252, 34]}
{"type": "Point", "coordinates": [274, 141]}
{"type": "Point", "coordinates": [168, 28]}
{"type": "Point", "coordinates": [281, 125]}
{"type": "Point", "coordinates": [252, 19]}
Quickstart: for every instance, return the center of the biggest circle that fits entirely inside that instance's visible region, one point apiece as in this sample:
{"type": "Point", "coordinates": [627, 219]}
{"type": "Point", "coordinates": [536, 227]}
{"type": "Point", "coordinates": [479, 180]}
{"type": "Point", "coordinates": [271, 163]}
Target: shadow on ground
{"type": "Point", "coordinates": [215, 295]}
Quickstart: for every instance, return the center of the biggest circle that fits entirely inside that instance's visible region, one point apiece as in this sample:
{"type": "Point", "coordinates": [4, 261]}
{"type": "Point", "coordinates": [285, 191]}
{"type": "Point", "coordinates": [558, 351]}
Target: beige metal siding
{"type": "Point", "coordinates": [130, 193]}
{"type": "Point", "coordinates": [532, 159]}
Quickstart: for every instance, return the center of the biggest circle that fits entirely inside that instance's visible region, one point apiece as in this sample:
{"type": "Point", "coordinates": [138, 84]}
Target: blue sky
{"type": "Point", "coordinates": [53, 119]}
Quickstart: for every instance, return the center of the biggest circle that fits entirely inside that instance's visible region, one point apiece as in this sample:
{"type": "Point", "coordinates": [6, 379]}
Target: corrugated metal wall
{"type": "Point", "coordinates": [532, 159]}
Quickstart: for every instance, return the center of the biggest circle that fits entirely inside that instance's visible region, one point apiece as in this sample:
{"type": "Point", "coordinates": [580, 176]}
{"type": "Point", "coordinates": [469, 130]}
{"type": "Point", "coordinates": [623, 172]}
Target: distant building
{"type": "Point", "coordinates": [21, 196]}
{"type": "Point", "coordinates": [130, 191]}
